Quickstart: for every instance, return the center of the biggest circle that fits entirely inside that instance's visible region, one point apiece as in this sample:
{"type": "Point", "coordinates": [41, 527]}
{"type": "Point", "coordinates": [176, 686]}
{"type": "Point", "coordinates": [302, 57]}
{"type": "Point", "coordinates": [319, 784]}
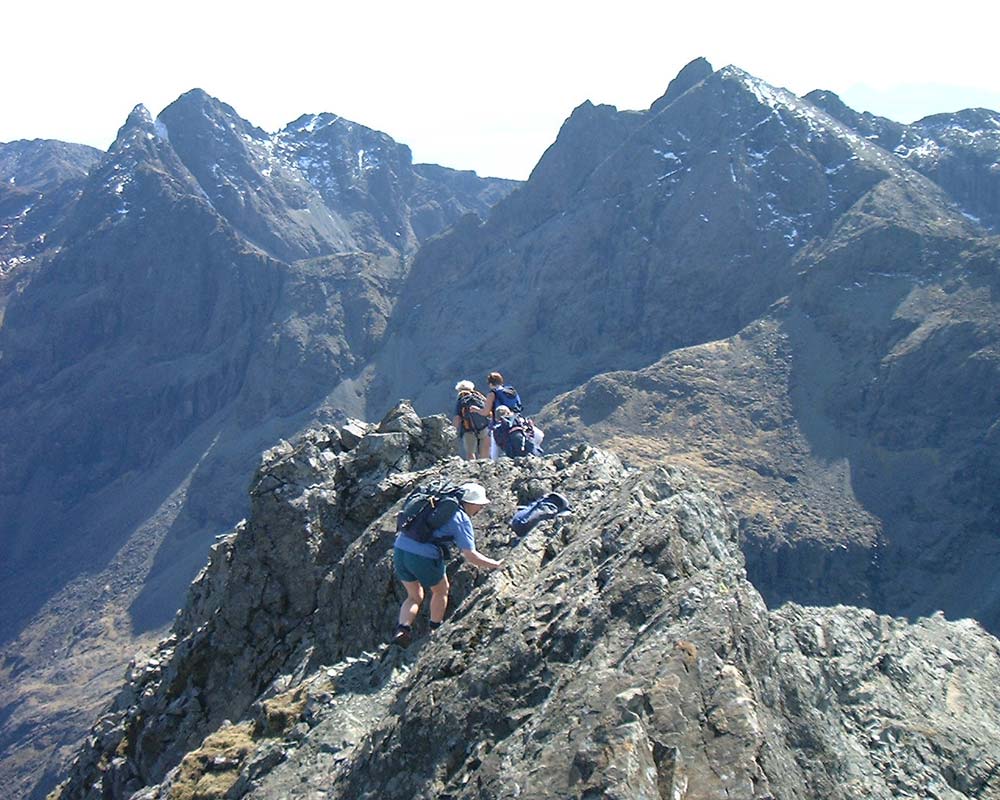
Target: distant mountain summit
{"type": "Point", "coordinates": [692, 74]}
{"type": "Point", "coordinates": [960, 152]}
{"type": "Point", "coordinates": [39, 180]}
{"type": "Point", "coordinates": [640, 232]}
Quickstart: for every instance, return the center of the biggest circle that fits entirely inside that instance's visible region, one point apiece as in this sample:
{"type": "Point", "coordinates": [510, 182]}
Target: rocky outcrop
{"type": "Point", "coordinates": [620, 653]}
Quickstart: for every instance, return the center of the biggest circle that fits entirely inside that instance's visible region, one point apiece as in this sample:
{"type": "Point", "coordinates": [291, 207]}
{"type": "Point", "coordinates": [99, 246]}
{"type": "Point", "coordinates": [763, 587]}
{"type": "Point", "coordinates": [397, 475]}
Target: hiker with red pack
{"type": "Point", "coordinates": [472, 427]}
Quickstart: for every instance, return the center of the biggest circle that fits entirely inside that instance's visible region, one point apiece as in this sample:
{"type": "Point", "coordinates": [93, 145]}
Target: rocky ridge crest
{"type": "Point", "coordinates": [621, 653]}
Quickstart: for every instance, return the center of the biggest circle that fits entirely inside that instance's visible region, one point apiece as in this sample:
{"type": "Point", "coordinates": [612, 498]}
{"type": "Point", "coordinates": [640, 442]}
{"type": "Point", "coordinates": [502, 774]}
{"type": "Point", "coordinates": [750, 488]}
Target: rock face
{"type": "Point", "coordinates": [620, 653]}
{"type": "Point", "coordinates": [845, 426]}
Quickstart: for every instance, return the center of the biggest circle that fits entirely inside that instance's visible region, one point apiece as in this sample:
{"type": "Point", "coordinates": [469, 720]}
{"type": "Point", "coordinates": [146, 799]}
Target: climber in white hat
{"type": "Point", "coordinates": [419, 556]}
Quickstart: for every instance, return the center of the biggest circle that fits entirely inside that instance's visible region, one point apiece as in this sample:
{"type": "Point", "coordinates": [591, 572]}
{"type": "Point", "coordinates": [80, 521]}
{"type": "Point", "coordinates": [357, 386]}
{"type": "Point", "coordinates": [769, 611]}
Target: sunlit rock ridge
{"type": "Point", "coordinates": [620, 653]}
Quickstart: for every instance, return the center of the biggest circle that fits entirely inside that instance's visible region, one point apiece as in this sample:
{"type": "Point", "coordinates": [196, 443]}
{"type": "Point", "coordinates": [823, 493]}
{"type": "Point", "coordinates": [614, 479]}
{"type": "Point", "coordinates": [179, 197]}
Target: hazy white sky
{"type": "Point", "coordinates": [471, 85]}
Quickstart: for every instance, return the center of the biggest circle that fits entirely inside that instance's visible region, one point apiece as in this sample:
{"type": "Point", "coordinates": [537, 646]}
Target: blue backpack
{"type": "Point", "coordinates": [426, 509]}
{"type": "Point", "coordinates": [527, 517]}
{"type": "Point", "coordinates": [507, 396]}
{"type": "Point", "coordinates": [515, 435]}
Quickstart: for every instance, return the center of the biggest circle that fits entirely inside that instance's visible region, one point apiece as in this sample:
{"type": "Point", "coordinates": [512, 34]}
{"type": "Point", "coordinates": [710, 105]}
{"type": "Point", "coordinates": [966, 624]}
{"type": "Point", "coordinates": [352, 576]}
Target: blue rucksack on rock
{"type": "Point", "coordinates": [546, 507]}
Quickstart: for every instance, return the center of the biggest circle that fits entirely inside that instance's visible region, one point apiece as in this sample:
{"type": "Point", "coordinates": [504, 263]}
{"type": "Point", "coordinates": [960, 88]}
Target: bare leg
{"type": "Point", "coordinates": [411, 605]}
{"type": "Point", "coordinates": [483, 450]}
{"type": "Point", "coordinates": [439, 599]}
{"type": "Point", "coordinates": [469, 445]}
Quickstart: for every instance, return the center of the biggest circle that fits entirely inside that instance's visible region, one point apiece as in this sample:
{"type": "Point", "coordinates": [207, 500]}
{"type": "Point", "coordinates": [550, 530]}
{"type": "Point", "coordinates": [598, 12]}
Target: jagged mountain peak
{"type": "Point", "coordinates": [314, 124]}
{"type": "Point", "coordinates": [308, 123]}
{"type": "Point", "coordinates": [140, 149]}
{"type": "Point", "coordinates": [206, 103]}
{"type": "Point", "coordinates": [691, 75]}
{"type": "Point", "coordinates": [138, 123]}
{"type": "Point", "coordinates": [337, 155]}
{"type": "Point", "coordinates": [39, 181]}
{"type": "Point", "coordinates": [830, 102]}
{"type": "Point", "coordinates": [201, 114]}
{"type": "Point", "coordinates": [958, 151]}
{"type": "Point", "coordinates": [971, 122]}
{"type": "Point", "coordinates": [972, 118]}
{"type": "Point", "coordinates": [139, 116]}
{"type": "Point", "coordinates": [39, 163]}
{"type": "Point", "coordinates": [773, 98]}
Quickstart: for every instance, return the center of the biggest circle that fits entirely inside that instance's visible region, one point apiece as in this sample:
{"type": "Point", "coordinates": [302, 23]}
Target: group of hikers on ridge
{"type": "Point", "coordinates": [437, 517]}
{"type": "Point", "coordinates": [493, 424]}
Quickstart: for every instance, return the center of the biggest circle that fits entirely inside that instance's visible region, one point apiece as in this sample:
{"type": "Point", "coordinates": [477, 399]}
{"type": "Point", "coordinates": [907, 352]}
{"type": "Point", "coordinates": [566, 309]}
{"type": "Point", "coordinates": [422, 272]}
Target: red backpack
{"type": "Point", "coordinates": [470, 420]}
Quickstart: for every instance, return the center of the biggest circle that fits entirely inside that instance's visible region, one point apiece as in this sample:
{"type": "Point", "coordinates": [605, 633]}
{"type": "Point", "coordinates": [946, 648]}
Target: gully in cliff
{"type": "Point", "coordinates": [431, 520]}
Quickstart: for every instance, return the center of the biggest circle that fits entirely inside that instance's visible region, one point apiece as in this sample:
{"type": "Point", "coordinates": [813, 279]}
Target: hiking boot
{"type": "Point", "coordinates": [402, 637]}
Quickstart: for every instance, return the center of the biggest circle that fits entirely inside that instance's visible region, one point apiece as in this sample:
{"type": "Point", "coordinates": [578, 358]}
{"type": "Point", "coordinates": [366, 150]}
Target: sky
{"type": "Point", "coordinates": [479, 86]}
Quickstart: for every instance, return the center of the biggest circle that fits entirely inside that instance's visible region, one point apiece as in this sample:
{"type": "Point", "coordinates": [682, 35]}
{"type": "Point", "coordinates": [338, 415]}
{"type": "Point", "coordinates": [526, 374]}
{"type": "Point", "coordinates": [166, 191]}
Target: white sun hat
{"type": "Point", "coordinates": [464, 386]}
{"type": "Point", "coordinates": [474, 493]}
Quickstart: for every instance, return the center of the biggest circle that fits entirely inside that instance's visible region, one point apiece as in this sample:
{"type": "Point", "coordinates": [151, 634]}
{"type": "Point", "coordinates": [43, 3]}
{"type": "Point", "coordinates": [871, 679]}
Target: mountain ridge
{"type": "Point", "coordinates": [621, 652]}
{"type": "Point", "coordinates": [638, 236]}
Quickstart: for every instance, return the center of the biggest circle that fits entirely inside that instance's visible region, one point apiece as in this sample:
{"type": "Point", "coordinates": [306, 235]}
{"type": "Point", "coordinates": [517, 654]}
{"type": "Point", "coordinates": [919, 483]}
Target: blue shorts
{"type": "Point", "coordinates": [411, 567]}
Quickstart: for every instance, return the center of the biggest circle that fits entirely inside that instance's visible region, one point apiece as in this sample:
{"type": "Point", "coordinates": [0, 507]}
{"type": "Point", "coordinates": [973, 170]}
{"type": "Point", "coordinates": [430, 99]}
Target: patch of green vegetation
{"type": "Point", "coordinates": [210, 771]}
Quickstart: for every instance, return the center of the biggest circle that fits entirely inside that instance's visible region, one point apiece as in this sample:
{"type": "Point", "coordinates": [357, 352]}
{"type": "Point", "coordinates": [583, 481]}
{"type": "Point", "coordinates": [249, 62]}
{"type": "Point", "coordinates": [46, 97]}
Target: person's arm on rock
{"type": "Point", "coordinates": [477, 559]}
